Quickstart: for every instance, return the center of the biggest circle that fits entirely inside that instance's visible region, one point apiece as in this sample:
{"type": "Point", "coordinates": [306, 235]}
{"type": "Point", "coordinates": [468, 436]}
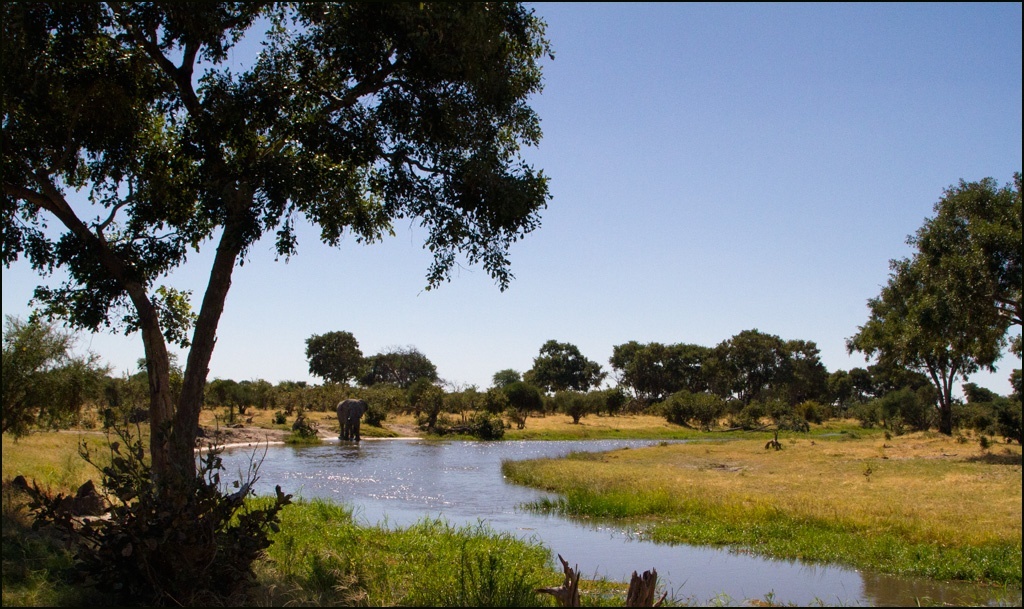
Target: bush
{"type": "Point", "coordinates": [1008, 418]}
{"type": "Point", "coordinates": [906, 407]}
{"type": "Point", "coordinates": [868, 413]}
{"type": "Point", "coordinates": [810, 411]}
{"type": "Point", "coordinates": [683, 407]}
{"type": "Point", "coordinates": [575, 404]}
{"type": "Point", "coordinates": [375, 414]}
{"type": "Point", "coordinates": [749, 416]}
{"type": "Point", "coordinates": [487, 426]}
{"type": "Point", "coordinates": [193, 545]}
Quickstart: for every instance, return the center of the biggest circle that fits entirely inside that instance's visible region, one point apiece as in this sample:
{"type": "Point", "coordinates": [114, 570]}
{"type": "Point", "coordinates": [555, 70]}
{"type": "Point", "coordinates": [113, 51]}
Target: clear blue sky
{"type": "Point", "coordinates": [714, 168]}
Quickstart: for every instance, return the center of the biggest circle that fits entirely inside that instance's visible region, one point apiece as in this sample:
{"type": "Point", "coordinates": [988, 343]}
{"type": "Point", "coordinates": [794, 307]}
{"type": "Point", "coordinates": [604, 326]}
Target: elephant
{"type": "Point", "coordinates": [349, 413]}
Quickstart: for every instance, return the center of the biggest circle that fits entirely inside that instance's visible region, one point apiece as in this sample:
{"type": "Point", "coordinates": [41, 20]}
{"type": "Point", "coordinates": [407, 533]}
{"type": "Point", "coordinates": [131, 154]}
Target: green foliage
{"type": "Point", "coordinates": [334, 356]}
{"type": "Point", "coordinates": [400, 367]}
{"type": "Point", "coordinates": [1008, 419]}
{"type": "Point", "coordinates": [524, 398]}
{"type": "Point", "coordinates": [750, 365]}
{"type": "Point", "coordinates": [375, 414]}
{"type": "Point", "coordinates": [750, 416]}
{"type": "Point", "coordinates": [502, 378]}
{"type": "Point", "coordinates": [488, 427]}
{"type": "Point", "coordinates": [495, 401]}
{"type": "Point", "coordinates": [908, 407]}
{"type": "Point", "coordinates": [304, 431]}
{"type": "Point", "coordinates": [573, 403]}
{"type": "Point", "coordinates": [561, 367]}
{"type": "Point", "coordinates": [936, 314]}
{"type": "Point", "coordinates": [654, 371]}
{"type": "Point", "coordinates": [972, 250]}
{"type": "Point", "coordinates": [426, 400]}
{"type": "Point", "coordinates": [610, 401]}
{"type": "Point", "coordinates": [44, 383]}
{"type": "Point", "coordinates": [193, 546]}
{"type": "Point", "coordinates": [811, 411]}
{"type": "Point", "coordinates": [350, 117]}
{"type": "Point", "coordinates": [685, 408]}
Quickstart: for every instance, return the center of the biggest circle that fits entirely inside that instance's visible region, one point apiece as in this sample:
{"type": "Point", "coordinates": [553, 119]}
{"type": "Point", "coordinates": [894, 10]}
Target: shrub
{"type": "Point", "coordinates": [749, 416]}
{"type": "Point", "coordinates": [702, 408]}
{"type": "Point", "coordinates": [517, 417]}
{"type": "Point", "coordinates": [1008, 418]}
{"type": "Point", "coordinates": [192, 545]}
{"type": "Point", "coordinates": [867, 413]}
{"type": "Point", "coordinates": [375, 414]}
{"type": "Point", "coordinates": [810, 411]}
{"type": "Point", "coordinates": [574, 404]}
{"type": "Point", "coordinates": [487, 426]}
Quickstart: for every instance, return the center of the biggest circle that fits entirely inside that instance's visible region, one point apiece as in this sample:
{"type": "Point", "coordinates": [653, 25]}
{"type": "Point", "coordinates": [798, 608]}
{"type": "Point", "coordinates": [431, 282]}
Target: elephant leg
{"type": "Point", "coordinates": [355, 429]}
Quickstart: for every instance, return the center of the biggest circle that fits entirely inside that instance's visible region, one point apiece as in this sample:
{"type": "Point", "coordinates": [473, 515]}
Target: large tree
{"type": "Point", "coordinates": [972, 249]}
{"type": "Point", "coordinates": [654, 371]}
{"type": "Point", "coordinates": [561, 367]}
{"type": "Point", "coordinates": [914, 325]}
{"type": "Point", "coordinates": [129, 144]}
{"type": "Point", "coordinates": [752, 365]}
{"type": "Point", "coordinates": [334, 356]}
{"type": "Point", "coordinates": [398, 366]}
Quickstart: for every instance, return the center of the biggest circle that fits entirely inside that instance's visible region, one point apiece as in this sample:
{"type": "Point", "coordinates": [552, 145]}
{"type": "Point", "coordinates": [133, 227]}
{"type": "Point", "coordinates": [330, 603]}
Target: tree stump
{"type": "Point", "coordinates": [642, 588]}
{"type": "Point", "coordinates": [568, 594]}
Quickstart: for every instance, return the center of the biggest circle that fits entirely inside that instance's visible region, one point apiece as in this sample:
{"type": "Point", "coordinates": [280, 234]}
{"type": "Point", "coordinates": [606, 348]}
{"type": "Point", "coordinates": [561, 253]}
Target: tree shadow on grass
{"type": "Point", "coordinates": [1008, 458]}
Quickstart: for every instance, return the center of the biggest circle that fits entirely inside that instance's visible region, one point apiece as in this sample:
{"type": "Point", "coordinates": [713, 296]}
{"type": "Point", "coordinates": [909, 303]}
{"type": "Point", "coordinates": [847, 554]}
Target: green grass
{"type": "Point", "coordinates": [321, 557]}
{"type": "Point", "coordinates": [924, 510]}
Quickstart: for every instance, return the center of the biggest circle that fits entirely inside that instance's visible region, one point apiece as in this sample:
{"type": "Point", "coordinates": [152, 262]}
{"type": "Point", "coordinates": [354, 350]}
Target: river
{"type": "Point", "coordinates": [399, 482]}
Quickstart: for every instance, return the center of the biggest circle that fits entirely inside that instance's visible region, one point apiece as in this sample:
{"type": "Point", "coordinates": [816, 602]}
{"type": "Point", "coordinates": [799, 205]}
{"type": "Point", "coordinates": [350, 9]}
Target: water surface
{"type": "Point", "coordinates": [399, 482]}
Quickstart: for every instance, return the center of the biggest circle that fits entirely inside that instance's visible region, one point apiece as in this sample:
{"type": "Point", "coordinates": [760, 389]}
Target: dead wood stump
{"type": "Point", "coordinates": [642, 588]}
{"type": "Point", "coordinates": [568, 594]}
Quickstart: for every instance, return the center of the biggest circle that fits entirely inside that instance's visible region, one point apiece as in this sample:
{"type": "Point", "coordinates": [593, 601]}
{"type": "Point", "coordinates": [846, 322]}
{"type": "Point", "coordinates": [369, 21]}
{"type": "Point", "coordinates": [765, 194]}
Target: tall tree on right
{"type": "Point", "coordinates": [946, 310]}
{"type": "Point", "coordinates": [972, 248]}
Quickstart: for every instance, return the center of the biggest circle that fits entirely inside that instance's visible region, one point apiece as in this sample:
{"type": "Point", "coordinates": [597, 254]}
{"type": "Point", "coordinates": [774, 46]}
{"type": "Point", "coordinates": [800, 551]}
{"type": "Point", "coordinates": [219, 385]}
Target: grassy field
{"type": "Point", "coordinates": [920, 504]}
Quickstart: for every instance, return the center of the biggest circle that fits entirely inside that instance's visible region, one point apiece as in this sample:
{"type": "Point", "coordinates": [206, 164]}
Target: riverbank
{"type": "Point", "coordinates": [921, 504]}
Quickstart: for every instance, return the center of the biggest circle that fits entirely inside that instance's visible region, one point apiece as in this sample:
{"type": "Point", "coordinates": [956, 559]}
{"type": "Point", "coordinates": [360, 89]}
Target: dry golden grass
{"type": "Point", "coordinates": [561, 426]}
{"type": "Point", "coordinates": [52, 458]}
{"type": "Point", "coordinates": [925, 486]}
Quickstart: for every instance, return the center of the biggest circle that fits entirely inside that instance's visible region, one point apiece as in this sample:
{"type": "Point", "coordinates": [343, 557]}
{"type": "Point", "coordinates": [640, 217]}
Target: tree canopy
{"type": "Point", "coordinates": [334, 356]}
{"type": "Point", "coordinates": [972, 249]}
{"type": "Point", "coordinates": [914, 325]}
{"type": "Point", "coordinates": [945, 310]}
{"type": "Point", "coordinates": [43, 380]}
{"type": "Point", "coordinates": [399, 366]}
{"type": "Point", "coordinates": [129, 144]}
{"type": "Point", "coordinates": [561, 367]}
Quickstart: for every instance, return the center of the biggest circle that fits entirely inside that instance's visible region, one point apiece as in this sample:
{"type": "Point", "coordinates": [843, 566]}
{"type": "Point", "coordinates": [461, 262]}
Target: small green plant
{"type": "Point", "coordinates": [304, 431]}
{"type": "Point", "coordinates": [984, 442]}
{"type": "Point", "coordinates": [280, 418]}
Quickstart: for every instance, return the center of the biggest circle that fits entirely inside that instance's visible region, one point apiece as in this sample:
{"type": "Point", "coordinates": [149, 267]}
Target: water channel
{"type": "Point", "coordinates": [399, 482]}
